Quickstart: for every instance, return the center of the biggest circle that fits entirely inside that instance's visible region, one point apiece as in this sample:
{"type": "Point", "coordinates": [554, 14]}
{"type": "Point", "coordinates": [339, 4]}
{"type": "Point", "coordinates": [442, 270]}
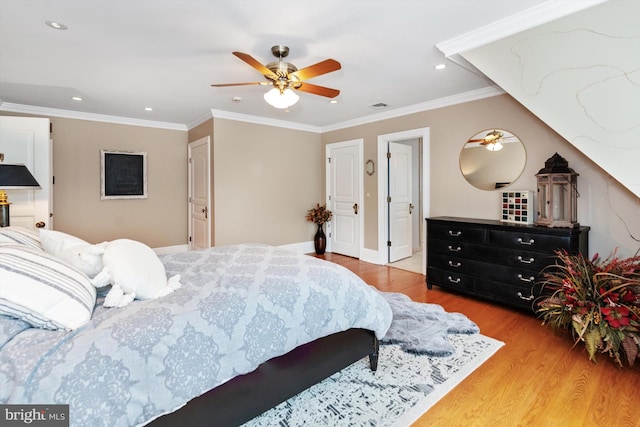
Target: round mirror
{"type": "Point", "coordinates": [492, 159]}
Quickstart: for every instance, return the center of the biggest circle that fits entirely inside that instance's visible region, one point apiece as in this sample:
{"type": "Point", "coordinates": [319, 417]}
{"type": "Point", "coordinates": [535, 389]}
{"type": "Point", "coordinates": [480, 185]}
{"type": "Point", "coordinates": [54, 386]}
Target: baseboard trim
{"type": "Point", "coordinates": [166, 250]}
{"type": "Point", "coordinates": [367, 255]}
{"type": "Point", "coordinates": [302, 247]}
{"type": "Point", "coordinates": [370, 255]}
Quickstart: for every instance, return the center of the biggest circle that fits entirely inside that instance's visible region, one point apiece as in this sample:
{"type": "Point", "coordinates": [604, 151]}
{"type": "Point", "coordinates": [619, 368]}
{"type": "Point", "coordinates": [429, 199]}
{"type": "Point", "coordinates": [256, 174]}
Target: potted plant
{"type": "Point", "coordinates": [319, 214]}
{"type": "Point", "coordinates": [598, 301]}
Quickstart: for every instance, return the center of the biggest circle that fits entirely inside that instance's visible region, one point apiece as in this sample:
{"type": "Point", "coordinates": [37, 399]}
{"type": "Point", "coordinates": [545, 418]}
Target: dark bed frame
{"type": "Point", "coordinates": [247, 396]}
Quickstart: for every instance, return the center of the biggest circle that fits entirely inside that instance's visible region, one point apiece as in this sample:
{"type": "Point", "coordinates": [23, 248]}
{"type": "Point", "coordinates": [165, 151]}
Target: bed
{"type": "Point", "coordinates": [251, 326]}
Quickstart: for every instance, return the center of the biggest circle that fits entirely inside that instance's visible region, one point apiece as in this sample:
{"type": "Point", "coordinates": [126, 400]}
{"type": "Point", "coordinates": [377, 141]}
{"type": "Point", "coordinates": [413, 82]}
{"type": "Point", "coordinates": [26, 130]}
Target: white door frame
{"type": "Point", "coordinates": [358, 173]}
{"type": "Point", "coordinates": [383, 215]}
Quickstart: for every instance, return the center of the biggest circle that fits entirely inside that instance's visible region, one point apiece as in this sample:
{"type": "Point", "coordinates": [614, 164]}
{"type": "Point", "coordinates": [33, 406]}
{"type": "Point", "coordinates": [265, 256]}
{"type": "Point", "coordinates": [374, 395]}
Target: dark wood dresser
{"type": "Point", "coordinates": [495, 260]}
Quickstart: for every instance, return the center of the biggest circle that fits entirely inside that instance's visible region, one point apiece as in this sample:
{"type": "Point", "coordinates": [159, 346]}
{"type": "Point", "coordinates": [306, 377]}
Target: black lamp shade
{"type": "Point", "coordinates": [16, 176]}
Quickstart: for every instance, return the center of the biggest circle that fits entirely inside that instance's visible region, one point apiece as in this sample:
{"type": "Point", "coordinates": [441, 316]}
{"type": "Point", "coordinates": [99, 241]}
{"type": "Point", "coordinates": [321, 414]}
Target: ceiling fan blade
{"type": "Point", "coordinates": [318, 90]}
{"type": "Point", "coordinates": [240, 84]}
{"type": "Point", "coordinates": [255, 64]}
{"type": "Point", "coordinates": [324, 67]}
{"type": "Point", "coordinates": [477, 140]}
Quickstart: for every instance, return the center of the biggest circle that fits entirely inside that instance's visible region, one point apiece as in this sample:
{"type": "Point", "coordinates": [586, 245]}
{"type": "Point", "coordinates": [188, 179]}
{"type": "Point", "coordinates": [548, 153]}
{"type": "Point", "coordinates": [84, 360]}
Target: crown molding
{"type": "Point", "coordinates": [397, 112]}
{"type": "Point", "coordinates": [537, 15]}
{"type": "Point", "coordinates": [448, 101]}
{"type": "Point", "coordinates": [221, 114]}
{"type": "Point", "coordinates": [69, 114]}
{"type": "Point", "coordinates": [199, 121]}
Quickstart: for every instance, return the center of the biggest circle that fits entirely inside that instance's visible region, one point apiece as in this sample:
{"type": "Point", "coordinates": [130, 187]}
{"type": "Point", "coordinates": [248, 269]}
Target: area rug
{"type": "Point", "coordinates": [404, 387]}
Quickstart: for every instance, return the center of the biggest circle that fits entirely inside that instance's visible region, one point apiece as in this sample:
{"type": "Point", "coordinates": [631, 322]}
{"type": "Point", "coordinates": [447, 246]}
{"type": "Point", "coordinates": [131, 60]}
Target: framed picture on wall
{"type": "Point", "coordinates": [123, 175]}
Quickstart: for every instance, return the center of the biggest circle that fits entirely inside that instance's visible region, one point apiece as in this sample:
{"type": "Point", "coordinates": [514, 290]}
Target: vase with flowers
{"type": "Point", "coordinates": [598, 301]}
{"type": "Point", "coordinates": [319, 214]}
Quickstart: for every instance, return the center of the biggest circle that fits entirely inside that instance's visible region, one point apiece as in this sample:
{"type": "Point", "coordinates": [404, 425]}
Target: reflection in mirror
{"type": "Point", "coordinates": [492, 159]}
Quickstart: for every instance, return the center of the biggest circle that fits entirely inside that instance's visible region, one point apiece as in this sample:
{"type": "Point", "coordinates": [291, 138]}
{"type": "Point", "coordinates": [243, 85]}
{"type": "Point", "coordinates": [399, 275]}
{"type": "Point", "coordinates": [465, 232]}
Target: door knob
{"type": "Point", "coordinates": [40, 224]}
{"type": "Point", "coordinates": [205, 211]}
{"type": "Point", "coordinates": [355, 208]}
{"type": "Point", "coordinates": [411, 208]}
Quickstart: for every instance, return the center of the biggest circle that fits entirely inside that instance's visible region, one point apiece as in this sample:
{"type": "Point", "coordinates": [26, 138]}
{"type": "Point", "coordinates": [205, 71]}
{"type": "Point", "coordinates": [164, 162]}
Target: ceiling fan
{"type": "Point", "coordinates": [492, 140]}
{"type": "Point", "coordinates": [284, 77]}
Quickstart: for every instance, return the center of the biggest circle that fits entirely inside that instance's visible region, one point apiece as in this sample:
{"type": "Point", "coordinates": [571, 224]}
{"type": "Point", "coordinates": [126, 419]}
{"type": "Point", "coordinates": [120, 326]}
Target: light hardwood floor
{"type": "Point", "coordinates": [537, 379]}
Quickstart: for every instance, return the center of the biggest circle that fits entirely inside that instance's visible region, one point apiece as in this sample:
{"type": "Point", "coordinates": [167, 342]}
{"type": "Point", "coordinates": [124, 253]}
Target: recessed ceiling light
{"type": "Point", "coordinates": [76, 98]}
{"type": "Point", "coordinates": [333, 101]}
{"type": "Point", "coordinates": [56, 25]}
{"type": "Point", "coordinates": [148, 109]}
{"type": "Point", "coordinates": [440, 66]}
{"type": "Point", "coordinates": [236, 99]}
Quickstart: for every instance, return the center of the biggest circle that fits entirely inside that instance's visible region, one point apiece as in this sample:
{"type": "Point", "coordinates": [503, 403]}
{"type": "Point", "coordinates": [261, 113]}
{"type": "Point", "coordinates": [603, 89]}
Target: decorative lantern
{"type": "Point", "coordinates": [557, 194]}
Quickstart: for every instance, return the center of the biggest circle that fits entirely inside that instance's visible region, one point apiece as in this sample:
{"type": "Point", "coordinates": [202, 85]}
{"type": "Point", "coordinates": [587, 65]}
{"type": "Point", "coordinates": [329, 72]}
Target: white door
{"type": "Point", "coordinates": [400, 202]}
{"type": "Point", "coordinates": [27, 140]}
{"type": "Point", "coordinates": [199, 197]}
{"type": "Point", "coordinates": [345, 197]}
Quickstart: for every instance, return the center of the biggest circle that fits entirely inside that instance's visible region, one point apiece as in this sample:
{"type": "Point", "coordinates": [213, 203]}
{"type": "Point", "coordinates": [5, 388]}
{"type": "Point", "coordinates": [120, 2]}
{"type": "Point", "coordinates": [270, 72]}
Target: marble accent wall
{"type": "Point", "coordinates": [581, 75]}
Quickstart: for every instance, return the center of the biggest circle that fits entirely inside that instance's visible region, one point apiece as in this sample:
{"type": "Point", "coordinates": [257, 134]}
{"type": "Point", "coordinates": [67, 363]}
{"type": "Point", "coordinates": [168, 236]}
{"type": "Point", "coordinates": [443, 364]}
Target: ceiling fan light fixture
{"type": "Point", "coordinates": [281, 100]}
{"type": "Point", "coordinates": [494, 146]}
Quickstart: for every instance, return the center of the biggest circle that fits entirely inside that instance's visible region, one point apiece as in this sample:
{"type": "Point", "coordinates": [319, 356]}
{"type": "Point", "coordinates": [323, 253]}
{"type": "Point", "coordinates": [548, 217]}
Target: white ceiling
{"type": "Point", "coordinates": [122, 56]}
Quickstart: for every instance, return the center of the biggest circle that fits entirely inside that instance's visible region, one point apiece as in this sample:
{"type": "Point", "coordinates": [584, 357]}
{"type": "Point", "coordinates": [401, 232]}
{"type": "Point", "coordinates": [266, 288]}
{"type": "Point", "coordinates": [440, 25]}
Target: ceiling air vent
{"type": "Point", "coordinates": [378, 106]}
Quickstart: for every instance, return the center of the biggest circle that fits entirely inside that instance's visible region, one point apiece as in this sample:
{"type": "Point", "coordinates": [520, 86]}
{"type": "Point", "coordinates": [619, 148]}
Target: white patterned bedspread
{"type": "Point", "coordinates": [238, 307]}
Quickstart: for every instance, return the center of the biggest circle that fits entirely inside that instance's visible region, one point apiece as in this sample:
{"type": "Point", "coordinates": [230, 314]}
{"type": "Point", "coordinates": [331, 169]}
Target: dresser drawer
{"type": "Point", "coordinates": [450, 280]}
{"type": "Point", "coordinates": [528, 241]}
{"type": "Point", "coordinates": [454, 264]}
{"type": "Point", "coordinates": [456, 232]}
{"type": "Point", "coordinates": [523, 296]}
{"type": "Point", "coordinates": [525, 260]}
{"type": "Point", "coordinates": [452, 248]}
{"type": "Point", "coordinates": [511, 275]}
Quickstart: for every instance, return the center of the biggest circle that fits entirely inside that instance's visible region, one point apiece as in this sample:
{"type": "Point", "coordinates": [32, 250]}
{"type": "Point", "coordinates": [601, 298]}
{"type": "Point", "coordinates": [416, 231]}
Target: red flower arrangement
{"type": "Point", "coordinates": [598, 300]}
{"type": "Point", "coordinates": [319, 214]}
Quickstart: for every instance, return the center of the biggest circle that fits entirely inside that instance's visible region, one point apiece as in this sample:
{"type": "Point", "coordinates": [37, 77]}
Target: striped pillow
{"type": "Point", "coordinates": [42, 291]}
{"type": "Point", "coordinates": [21, 236]}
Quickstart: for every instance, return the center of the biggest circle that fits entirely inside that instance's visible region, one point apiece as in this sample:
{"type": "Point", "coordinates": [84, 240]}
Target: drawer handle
{"type": "Point", "coordinates": [456, 249]}
{"type": "Point", "coordinates": [455, 265]}
{"type": "Point", "coordinates": [529, 298]}
{"type": "Point", "coordinates": [522, 242]}
{"type": "Point", "coordinates": [455, 233]}
{"type": "Point", "coordinates": [526, 261]}
{"type": "Point", "coordinates": [452, 280]}
{"type": "Point", "coordinates": [525, 279]}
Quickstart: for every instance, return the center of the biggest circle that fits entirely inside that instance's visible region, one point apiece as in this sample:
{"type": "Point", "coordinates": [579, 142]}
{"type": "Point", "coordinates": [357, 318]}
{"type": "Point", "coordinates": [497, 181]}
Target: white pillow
{"type": "Point", "coordinates": [42, 291]}
{"type": "Point", "coordinates": [134, 271]}
{"type": "Point", "coordinates": [21, 236]}
{"type": "Point", "coordinates": [80, 254]}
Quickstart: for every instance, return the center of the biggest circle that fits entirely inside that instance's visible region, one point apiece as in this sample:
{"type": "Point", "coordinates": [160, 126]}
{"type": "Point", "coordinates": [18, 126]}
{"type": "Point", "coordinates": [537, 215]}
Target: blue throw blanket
{"type": "Point", "coordinates": [423, 328]}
